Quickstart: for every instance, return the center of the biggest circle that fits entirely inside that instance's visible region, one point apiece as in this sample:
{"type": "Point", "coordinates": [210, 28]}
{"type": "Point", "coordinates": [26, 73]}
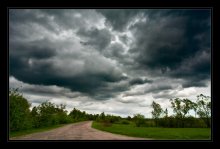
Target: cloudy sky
{"type": "Point", "coordinates": [115, 61]}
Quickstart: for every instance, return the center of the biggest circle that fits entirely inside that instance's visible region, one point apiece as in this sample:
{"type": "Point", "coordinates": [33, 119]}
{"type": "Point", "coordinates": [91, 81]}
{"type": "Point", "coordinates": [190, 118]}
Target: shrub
{"type": "Point", "coordinates": [126, 122]}
{"type": "Point", "coordinates": [106, 123]}
{"type": "Point", "coordinates": [149, 123]}
{"type": "Point", "coordinates": [139, 120]}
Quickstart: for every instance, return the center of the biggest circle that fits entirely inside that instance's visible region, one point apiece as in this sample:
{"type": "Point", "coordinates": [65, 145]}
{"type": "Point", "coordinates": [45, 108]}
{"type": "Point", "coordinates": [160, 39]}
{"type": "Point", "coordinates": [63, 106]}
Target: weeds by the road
{"type": "Point", "coordinates": [33, 130]}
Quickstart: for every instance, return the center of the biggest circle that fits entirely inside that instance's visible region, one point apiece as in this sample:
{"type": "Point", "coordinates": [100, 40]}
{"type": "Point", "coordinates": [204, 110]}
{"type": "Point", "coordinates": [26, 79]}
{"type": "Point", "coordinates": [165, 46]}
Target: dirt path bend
{"type": "Point", "coordinates": [77, 131]}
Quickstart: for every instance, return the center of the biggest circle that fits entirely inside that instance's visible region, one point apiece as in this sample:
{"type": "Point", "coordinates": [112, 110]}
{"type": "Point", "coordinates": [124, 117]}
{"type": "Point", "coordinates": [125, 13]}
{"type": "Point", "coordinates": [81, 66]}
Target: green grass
{"type": "Point", "coordinates": [33, 130]}
{"type": "Point", "coordinates": [156, 132]}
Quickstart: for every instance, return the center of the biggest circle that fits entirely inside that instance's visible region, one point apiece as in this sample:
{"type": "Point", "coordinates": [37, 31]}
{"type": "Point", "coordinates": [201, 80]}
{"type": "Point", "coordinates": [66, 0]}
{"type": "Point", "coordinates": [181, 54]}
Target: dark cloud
{"type": "Point", "coordinates": [74, 49]}
{"type": "Point", "coordinates": [19, 17]}
{"type": "Point", "coordinates": [49, 91]}
{"type": "Point", "coordinates": [118, 18]}
{"type": "Point", "coordinates": [165, 41]}
{"type": "Point", "coordinates": [100, 39]}
{"type": "Point", "coordinates": [28, 65]}
{"type": "Point", "coordinates": [38, 59]}
{"type": "Point", "coordinates": [32, 51]}
{"type": "Point", "coordinates": [159, 42]}
{"type": "Point", "coordinates": [73, 18]}
{"type": "Point", "coordinates": [44, 73]}
{"type": "Point", "coordinates": [131, 100]}
{"type": "Point", "coordinates": [111, 90]}
{"type": "Point", "coordinates": [54, 19]}
{"type": "Point", "coordinates": [195, 70]}
{"type": "Point", "coordinates": [194, 83]}
{"type": "Point", "coordinates": [124, 39]}
{"type": "Point", "coordinates": [136, 81]}
{"type": "Point", "coordinates": [115, 51]}
{"type": "Point", "coordinates": [151, 87]}
{"type": "Point", "coordinates": [158, 88]}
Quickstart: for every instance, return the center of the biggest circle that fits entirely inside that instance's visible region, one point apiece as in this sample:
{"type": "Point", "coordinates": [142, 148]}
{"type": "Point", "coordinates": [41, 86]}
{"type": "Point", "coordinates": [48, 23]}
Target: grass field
{"type": "Point", "coordinates": [156, 132]}
{"type": "Point", "coordinates": [29, 131]}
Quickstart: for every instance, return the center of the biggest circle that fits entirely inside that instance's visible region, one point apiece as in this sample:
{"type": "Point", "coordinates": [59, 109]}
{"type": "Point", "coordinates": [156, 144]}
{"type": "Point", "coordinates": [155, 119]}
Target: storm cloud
{"type": "Point", "coordinates": [167, 42]}
{"type": "Point", "coordinates": [110, 56]}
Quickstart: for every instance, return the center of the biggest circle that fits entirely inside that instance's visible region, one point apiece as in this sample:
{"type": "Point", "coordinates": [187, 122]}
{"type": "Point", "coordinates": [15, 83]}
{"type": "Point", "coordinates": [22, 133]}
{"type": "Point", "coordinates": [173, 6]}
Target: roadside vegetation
{"type": "Point", "coordinates": [180, 125]}
{"type": "Point", "coordinates": [159, 133]}
{"type": "Point", "coordinates": [45, 116]}
{"type": "Point", "coordinates": [34, 130]}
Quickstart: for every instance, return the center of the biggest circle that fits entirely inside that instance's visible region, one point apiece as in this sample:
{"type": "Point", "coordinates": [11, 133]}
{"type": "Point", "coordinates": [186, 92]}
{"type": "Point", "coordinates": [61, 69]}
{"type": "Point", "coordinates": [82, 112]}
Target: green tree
{"type": "Point", "coordinates": [186, 107]}
{"type": "Point", "coordinates": [61, 114]}
{"type": "Point", "coordinates": [19, 112]}
{"type": "Point", "coordinates": [77, 115]}
{"type": "Point", "coordinates": [128, 118]}
{"type": "Point", "coordinates": [102, 116]}
{"type": "Point", "coordinates": [204, 108]}
{"type": "Point", "coordinates": [194, 106]}
{"type": "Point", "coordinates": [35, 117]}
{"type": "Point", "coordinates": [166, 113]}
{"type": "Point", "coordinates": [157, 111]}
{"type": "Point", "coordinates": [177, 108]}
{"type": "Point", "coordinates": [51, 114]}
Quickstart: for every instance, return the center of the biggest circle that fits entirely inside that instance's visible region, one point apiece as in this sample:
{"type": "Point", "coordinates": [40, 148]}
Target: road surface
{"type": "Point", "coordinates": [76, 131]}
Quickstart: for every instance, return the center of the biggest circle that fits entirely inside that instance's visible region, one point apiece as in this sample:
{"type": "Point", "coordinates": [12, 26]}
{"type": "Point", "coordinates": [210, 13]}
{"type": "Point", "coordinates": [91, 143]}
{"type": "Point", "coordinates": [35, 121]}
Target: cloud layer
{"type": "Point", "coordinates": [110, 57]}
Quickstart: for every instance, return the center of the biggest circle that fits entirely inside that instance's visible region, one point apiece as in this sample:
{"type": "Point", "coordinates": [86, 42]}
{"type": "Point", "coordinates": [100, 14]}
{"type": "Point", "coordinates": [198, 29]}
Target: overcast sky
{"type": "Point", "coordinates": [115, 61]}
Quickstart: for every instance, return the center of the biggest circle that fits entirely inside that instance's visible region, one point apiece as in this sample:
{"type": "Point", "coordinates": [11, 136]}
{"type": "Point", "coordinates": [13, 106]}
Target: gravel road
{"type": "Point", "coordinates": [76, 131]}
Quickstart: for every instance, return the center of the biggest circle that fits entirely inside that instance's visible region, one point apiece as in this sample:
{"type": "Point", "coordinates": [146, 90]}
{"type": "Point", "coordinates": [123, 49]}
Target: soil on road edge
{"type": "Point", "coordinates": [76, 131]}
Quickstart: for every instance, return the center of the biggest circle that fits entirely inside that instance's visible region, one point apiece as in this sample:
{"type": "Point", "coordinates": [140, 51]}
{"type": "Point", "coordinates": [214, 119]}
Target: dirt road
{"type": "Point", "coordinates": [77, 131]}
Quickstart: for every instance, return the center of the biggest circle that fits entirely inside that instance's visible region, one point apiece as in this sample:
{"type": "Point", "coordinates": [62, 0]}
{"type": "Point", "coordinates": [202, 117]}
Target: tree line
{"type": "Point", "coordinates": [49, 114]}
{"type": "Point", "coordinates": [46, 114]}
{"type": "Point", "coordinates": [181, 109]}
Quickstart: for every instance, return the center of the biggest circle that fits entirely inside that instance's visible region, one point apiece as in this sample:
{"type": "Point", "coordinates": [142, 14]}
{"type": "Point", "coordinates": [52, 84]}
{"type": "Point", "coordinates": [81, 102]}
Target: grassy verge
{"type": "Point", "coordinates": [157, 133]}
{"type": "Point", "coordinates": [33, 130]}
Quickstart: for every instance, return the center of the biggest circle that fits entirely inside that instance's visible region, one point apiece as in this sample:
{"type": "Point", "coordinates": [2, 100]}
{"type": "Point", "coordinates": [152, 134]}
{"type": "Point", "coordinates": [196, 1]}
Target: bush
{"type": "Point", "coordinates": [149, 123]}
{"type": "Point", "coordinates": [106, 123]}
{"type": "Point", "coordinates": [139, 120]}
{"type": "Point", "coordinates": [188, 122]}
{"type": "Point", "coordinates": [125, 122]}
